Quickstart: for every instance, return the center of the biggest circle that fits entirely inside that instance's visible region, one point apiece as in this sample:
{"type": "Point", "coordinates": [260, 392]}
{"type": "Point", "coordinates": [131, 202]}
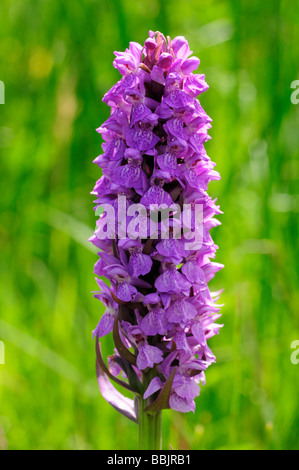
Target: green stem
{"type": "Point", "coordinates": [150, 429]}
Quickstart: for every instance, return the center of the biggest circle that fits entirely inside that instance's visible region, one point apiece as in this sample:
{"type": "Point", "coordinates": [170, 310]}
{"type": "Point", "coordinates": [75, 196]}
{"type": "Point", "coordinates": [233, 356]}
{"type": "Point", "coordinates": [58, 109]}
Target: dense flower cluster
{"type": "Point", "coordinates": [158, 303]}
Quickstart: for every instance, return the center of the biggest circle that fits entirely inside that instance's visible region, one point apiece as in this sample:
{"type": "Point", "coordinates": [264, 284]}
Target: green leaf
{"type": "Point", "coordinates": [104, 368]}
{"type": "Point", "coordinates": [122, 404]}
{"type": "Point", "coordinates": [131, 374]}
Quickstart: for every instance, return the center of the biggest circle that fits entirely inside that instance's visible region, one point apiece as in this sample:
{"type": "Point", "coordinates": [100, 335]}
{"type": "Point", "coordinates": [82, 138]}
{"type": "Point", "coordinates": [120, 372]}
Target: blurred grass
{"type": "Point", "coordinates": [56, 63]}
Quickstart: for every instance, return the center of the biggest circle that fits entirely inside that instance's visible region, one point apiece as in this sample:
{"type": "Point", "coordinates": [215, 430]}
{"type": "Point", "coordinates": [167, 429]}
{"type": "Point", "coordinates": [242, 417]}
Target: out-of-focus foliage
{"type": "Point", "coordinates": [56, 64]}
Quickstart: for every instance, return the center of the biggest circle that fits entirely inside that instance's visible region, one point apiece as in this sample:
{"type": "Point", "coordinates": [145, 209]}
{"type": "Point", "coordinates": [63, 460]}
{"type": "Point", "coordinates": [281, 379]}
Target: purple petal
{"type": "Point", "coordinates": [171, 248]}
{"type": "Point", "coordinates": [194, 273]}
{"type": "Point", "coordinates": [168, 162]}
{"type": "Point", "coordinates": [198, 332]}
{"type": "Point", "coordinates": [211, 269]}
{"type": "Point", "coordinates": [177, 99]}
{"type": "Point", "coordinates": [148, 356]}
{"type": "Point", "coordinates": [114, 270]}
{"type": "Point", "coordinates": [153, 387]}
{"type": "Point", "coordinates": [195, 84]}
{"type": "Point", "coordinates": [151, 299]}
{"type": "Point", "coordinates": [180, 404]}
{"type": "Point", "coordinates": [157, 75]}
{"type": "Point", "coordinates": [154, 322]}
{"type": "Point", "coordinates": [180, 47]}
{"type": "Point", "coordinates": [181, 311]}
{"type": "Point", "coordinates": [140, 111]}
{"type": "Point", "coordinates": [181, 341]}
{"type": "Point", "coordinates": [185, 387]}
{"type": "Point", "coordinates": [139, 264]}
{"type": "Point", "coordinates": [141, 139]}
{"type": "Point", "coordinates": [190, 65]}
{"type": "Point", "coordinates": [172, 281]}
{"type": "Point", "coordinates": [156, 195]}
{"type": "Point", "coordinates": [125, 291]}
{"type": "Point", "coordinates": [165, 60]}
{"type": "Point", "coordinates": [105, 326]}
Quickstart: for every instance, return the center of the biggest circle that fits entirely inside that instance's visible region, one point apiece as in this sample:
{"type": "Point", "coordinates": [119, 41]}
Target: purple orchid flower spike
{"type": "Point", "coordinates": [156, 251]}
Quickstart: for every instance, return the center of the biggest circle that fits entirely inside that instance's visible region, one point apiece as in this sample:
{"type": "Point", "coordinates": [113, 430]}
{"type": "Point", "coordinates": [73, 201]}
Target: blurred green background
{"type": "Point", "coordinates": [56, 63]}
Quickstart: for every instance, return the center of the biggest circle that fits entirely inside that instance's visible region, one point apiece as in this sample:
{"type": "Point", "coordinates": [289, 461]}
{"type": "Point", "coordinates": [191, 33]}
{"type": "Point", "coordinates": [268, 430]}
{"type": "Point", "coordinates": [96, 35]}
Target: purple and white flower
{"type": "Point", "coordinates": [158, 303]}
